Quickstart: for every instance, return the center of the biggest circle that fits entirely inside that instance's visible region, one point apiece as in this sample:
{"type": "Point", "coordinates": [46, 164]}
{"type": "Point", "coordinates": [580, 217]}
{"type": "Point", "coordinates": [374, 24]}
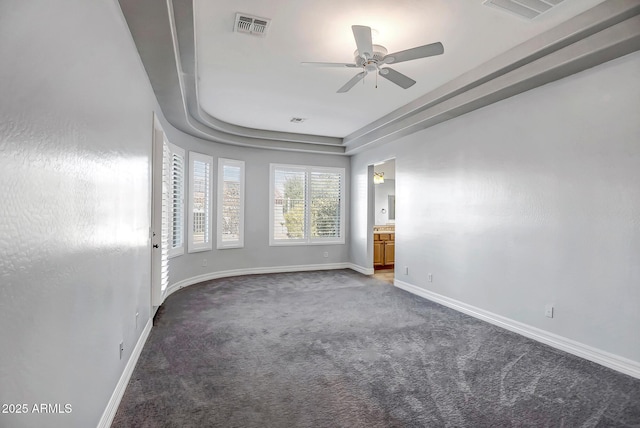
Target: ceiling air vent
{"type": "Point", "coordinates": [251, 24]}
{"type": "Point", "coordinates": [527, 9]}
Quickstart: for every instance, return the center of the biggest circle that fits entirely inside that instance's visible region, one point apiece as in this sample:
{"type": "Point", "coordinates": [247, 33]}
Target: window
{"type": "Point", "coordinates": [307, 205]}
{"type": "Point", "coordinates": [230, 203]}
{"type": "Point", "coordinates": [173, 180]}
{"type": "Point", "coordinates": [200, 169]}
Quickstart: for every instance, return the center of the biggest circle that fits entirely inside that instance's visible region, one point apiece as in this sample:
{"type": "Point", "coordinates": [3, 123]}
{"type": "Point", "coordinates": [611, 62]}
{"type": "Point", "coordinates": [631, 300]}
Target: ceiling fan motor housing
{"type": "Point", "coordinates": [371, 63]}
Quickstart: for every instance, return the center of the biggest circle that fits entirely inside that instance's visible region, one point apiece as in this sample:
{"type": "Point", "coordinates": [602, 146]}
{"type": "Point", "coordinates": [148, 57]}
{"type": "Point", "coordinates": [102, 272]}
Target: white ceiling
{"type": "Point", "coordinates": [259, 83]}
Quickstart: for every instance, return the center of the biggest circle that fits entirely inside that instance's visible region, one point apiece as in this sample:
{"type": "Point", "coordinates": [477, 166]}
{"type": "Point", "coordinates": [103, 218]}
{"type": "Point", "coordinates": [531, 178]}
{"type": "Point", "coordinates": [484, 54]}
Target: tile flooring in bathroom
{"type": "Point", "coordinates": [384, 275]}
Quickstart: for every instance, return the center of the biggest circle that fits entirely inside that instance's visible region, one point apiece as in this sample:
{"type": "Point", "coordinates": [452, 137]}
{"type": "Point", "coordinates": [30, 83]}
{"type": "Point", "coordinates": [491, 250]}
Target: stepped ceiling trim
{"type": "Point", "coordinates": [164, 35]}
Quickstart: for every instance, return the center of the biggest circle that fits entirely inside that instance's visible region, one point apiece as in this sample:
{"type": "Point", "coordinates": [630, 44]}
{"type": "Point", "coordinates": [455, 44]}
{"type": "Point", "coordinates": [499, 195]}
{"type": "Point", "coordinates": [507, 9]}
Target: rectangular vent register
{"type": "Point", "coordinates": [250, 24]}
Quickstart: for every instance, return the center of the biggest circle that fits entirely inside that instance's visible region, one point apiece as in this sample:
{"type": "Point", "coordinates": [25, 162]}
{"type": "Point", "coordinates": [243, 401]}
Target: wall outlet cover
{"type": "Point", "coordinates": [548, 311]}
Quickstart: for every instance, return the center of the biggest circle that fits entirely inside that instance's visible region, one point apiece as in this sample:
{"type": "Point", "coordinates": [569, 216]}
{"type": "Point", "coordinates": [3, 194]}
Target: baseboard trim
{"type": "Point", "coordinates": [363, 270]}
{"type": "Point", "coordinates": [116, 397]}
{"type": "Point", "coordinates": [612, 361]}
{"type": "Point", "coordinates": [255, 271]}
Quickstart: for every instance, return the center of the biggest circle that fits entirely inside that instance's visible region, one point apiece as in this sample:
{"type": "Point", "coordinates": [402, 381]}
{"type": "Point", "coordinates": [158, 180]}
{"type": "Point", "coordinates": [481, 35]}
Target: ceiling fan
{"type": "Point", "coordinates": [371, 57]}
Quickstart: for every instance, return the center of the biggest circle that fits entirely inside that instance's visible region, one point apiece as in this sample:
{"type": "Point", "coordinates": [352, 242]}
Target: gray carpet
{"type": "Point", "coordinates": [339, 349]}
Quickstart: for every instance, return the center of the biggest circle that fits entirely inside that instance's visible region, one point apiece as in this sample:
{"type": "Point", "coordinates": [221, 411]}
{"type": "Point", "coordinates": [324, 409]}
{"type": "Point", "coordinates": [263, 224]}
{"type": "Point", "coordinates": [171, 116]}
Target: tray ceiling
{"type": "Point", "coordinates": [237, 88]}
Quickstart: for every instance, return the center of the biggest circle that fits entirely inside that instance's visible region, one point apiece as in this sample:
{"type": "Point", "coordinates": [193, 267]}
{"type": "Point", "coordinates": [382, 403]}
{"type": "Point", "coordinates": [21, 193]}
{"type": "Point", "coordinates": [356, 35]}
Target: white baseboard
{"type": "Point", "coordinates": [255, 271]}
{"type": "Point", "coordinates": [363, 270]}
{"type": "Point", "coordinates": [615, 362]}
{"type": "Point", "coordinates": [116, 397]}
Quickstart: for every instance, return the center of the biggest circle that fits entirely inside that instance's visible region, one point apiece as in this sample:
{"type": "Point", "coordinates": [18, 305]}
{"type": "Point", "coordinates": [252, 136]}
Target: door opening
{"type": "Point", "coordinates": [159, 217]}
{"type": "Point", "coordinates": [384, 242]}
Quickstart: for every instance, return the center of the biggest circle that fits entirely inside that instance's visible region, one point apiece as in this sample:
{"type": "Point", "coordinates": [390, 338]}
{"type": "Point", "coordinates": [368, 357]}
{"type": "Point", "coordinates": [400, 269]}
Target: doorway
{"type": "Point", "coordinates": [159, 217]}
{"type": "Point", "coordinates": [384, 242]}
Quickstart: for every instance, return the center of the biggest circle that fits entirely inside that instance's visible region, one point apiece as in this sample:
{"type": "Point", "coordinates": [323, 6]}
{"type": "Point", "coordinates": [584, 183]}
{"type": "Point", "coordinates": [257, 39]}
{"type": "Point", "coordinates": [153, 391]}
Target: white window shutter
{"type": "Point", "coordinates": [200, 175]}
{"type": "Point", "coordinates": [307, 205]}
{"type": "Point", "coordinates": [230, 203]}
{"type": "Point", "coordinates": [176, 196]}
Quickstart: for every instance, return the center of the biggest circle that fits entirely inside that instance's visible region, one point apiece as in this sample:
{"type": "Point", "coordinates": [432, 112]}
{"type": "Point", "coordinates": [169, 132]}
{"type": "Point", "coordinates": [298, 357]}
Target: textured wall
{"type": "Point", "coordinates": [530, 201]}
{"type": "Point", "coordinates": [75, 141]}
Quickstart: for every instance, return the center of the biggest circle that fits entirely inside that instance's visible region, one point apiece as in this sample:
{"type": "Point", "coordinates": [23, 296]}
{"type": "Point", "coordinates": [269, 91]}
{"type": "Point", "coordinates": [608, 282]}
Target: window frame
{"type": "Point", "coordinates": [173, 151]}
{"type": "Point", "coordinates": [238, 243]}
{"type": "Point", "coordinates": [207, 245]}
{"type": "Point", "coordinates": [308, 239]}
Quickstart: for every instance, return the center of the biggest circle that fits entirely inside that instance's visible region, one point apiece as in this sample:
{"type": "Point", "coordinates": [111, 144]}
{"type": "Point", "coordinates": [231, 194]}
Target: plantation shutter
{"type": "Point", "coordinates": [289, 203]}
{"type": "Point", "coordinates": [201, 202]}
{"type": "Point", "coordinates": [326, 197]}
{"type": "Point", "coordinates": [176, 200]}
{"type": "Point", "coordinates": [307, 205]}
{"type": "Point", "coordinates": [166, 203]}
{"type": "Point", "coordinates": [199, 208]}
{"type": "Point", "coordinates": [231, 203]}
{"type": "Point", "coordinates": [177, 189]}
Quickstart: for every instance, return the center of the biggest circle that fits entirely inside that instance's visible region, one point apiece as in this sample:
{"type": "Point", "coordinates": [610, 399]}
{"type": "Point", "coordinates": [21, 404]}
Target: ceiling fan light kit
{"type": "Point", "coordinates": [371, 57]}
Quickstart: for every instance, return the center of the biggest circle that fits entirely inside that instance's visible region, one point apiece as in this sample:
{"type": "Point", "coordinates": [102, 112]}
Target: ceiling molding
{"type": "Point", "coordinates": [462, 94]}
{"type": "Point", "coordinates": [182, 26]}
{"type": "Point", "coordinates": [164, 35]}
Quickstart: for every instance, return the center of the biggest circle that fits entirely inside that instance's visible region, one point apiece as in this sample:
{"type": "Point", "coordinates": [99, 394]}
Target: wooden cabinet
{"type": "Point", "coordinates": [389, 252]}
{"type": "Point", "coordinates": [383, 249]}
{"type": "Point", "coordinates": [378, 253]}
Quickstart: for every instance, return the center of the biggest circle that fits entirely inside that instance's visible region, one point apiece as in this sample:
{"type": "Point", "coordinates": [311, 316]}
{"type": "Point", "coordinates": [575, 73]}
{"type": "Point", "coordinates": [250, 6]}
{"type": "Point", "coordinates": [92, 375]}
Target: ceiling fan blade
{"type": "Point", "coordinates": [396, 77]}
{"type": "Point", "coordinates": [328, 64]}
{"type": "Point", "coordinates": [414, 53]}
{"type": "Point", "coordinates": [351, 83]}
{"type": "Point", "coordinates": [362, 35]}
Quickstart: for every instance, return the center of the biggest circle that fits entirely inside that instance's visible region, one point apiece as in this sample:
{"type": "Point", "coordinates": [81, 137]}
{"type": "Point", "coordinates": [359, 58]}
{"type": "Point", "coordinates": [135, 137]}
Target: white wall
{"type": "Point", "coordinates": [534, 200]}
{"type": "Point", "coordinates": [75, 149]}
{"type": "Point", "coordinates": [256, 252]}
{"type": "Point", "coordinates": [383, 191]}
{"type": "Point", "coordinates": [529, 201]}
{"type": "Point", "coordinates": [75, 143]}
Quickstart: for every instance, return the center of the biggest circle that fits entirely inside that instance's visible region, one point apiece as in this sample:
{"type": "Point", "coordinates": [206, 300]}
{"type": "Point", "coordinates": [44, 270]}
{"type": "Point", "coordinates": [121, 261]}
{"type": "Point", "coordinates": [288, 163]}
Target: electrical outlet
{"type": "Point", "coordinates": [430, 277]}
{"type": "Point", "coordinates": [204, 262]}
{"type": "Point", "coordinates": [548, 311]}
{"type": "Point", "coordinates": [326, 254]}
{"type": "Point", "coordinates": [406, 270]}
{"type": "Point", "coordinates": [121, 349]}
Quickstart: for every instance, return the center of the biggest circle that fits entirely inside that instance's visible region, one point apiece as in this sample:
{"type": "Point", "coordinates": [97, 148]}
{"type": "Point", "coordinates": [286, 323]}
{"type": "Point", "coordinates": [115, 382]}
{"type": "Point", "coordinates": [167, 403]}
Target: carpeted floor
{"type": "Point", "coordinates": [339, 349]}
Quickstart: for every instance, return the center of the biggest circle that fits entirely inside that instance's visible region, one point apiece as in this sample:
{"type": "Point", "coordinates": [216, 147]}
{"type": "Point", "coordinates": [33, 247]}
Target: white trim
{"type": "Point", "coordinates": [607, 359]}
{"type": "Point", "coordinates": [256, 271]}
{"type": "Point", "coordinates": [363, 270]}
{"type": "Point", "coordinates": [116, 396]}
